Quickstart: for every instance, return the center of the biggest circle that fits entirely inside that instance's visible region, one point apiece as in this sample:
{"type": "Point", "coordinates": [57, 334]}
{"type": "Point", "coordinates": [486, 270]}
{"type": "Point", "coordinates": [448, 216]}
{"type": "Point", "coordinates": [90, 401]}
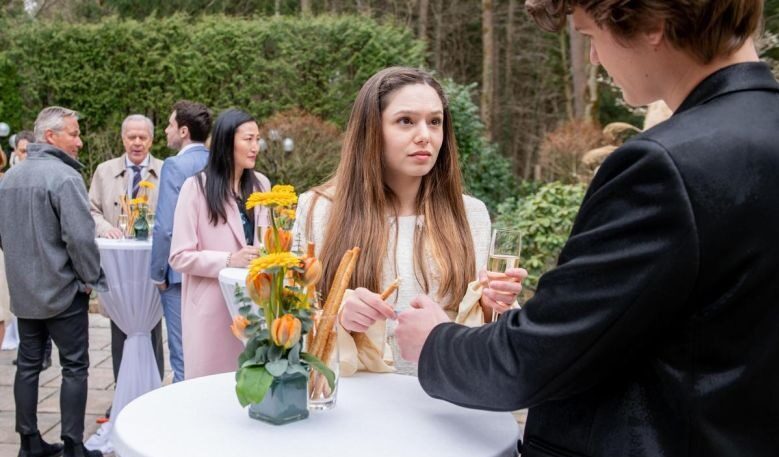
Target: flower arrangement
{"type": "Point", "coordinates": [282, 284]}
{"type": "Point", "coordinates": [137, 208]}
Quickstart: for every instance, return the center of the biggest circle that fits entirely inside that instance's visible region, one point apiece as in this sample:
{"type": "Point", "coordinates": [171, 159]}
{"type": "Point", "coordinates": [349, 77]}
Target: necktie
{"type": "Point", "coordinates": [136, 179]}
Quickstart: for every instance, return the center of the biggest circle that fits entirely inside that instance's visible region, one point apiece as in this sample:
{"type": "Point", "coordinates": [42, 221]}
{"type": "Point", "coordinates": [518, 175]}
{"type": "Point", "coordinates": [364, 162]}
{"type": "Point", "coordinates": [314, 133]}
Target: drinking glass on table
{"type": "Point", "coordinates": [150, 220]}
{"type": "Point", "coordinates": [123, 220]}
{"type": "Point", "coordinates": [505, 248]}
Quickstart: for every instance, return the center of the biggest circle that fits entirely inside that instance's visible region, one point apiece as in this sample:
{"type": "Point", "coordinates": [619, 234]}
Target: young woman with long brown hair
{"type": "Point", "coordinates": [397, 194]}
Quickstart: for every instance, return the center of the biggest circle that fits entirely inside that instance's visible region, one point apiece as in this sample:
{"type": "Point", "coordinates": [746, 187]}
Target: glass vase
{"type": "Point", "coordinates": [141, 225]}
{"type": "Point", "coordinates": [320, 395]}
{"type": "Point", "coordinates": [284, 402]}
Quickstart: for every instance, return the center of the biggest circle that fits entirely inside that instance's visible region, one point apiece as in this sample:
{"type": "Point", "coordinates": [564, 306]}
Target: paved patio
{"type": "Point", "coordinates": [101, 389]}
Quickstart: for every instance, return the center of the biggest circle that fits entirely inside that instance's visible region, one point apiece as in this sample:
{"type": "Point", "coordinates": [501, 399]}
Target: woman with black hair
{"type": "Point", "coordinates": [212, 230]}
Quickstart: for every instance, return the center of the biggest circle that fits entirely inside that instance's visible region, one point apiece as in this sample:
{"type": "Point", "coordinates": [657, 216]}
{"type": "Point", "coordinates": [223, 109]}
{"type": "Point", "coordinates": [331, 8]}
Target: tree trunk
{"type": "Point", "coordinates": [488, 40]}
{"type": "Point", "coordinates": [277, 7]}
{"type": "Point", "coordinates": [305, 7]}
{"type": "Point", "coordinates": [424, 6]}
{"type": "Point", "coordinates": [567, 83]}
{"type": "Point", "coordinates": [439, 33]}
{"type": "Point", "coordinates": [591, 109]}
{"type": "Point", "coordinates": [364, 7]}
{"type": "Point", "coordinates": [578, 71]}
{"type": "Point", "coordinates": [509, 45]}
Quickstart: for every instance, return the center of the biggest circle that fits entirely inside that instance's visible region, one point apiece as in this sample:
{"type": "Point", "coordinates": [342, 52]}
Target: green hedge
{"type": "Point", "coordinates": [111, 69]}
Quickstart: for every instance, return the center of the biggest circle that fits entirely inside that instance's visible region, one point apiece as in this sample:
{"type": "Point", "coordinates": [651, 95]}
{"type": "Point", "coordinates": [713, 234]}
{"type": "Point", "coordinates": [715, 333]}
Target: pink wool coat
{"type": "Point", "coordinates": [199, 251]}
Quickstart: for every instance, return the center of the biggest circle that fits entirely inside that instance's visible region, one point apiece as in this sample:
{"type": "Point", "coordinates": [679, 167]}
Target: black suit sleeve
{"type": "Point", "coordinates": [622, 281]}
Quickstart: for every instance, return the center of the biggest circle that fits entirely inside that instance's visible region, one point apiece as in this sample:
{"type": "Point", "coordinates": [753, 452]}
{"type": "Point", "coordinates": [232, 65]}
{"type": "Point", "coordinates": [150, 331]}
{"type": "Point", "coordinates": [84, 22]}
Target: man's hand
{"type": "Point", "coordinates": [501, 289]}
{"type": "Point", "coordinates": [414, 325]}
{"type": "Point", "coordinates": [113, 234]}
{"type": "Point", "coordinates": [162, 286]}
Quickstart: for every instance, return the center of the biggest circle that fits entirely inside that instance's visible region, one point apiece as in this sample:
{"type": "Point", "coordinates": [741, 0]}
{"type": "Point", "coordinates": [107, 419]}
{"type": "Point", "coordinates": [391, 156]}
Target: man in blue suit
{"type": "Point", "coordinates": [187, 130]}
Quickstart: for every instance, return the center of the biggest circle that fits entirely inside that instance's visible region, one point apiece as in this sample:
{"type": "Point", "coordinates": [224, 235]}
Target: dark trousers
{"type": "Point", "coordinates": [117, 347]}
{"type": "Point", "coordinates": [70, 332]}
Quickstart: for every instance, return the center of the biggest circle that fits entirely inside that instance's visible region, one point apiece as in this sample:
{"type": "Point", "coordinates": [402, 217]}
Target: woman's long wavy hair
{"type": "Point", "coordinates": [362, 201]}
{"type": "Point", "coordinates": [216, 179]}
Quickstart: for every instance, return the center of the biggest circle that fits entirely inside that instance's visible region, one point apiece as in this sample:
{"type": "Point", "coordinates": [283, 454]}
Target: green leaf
{"type": "Point", "coordinates": [248, 351]}
{"type": "Point", "coordinates": [277, 368]}
{"type": "Point", "coordinates": [319, 366]}
{"type": "Point", "coordinates": [261, 355]}
{"type": "Point", "coordinates": [252, 384]}
{"type": "Point", "coordinates": [291, 369]}
{"type": "Point", "coordinates": [274, 352]}
{"type": "Point", "coordinates": [294, 354]}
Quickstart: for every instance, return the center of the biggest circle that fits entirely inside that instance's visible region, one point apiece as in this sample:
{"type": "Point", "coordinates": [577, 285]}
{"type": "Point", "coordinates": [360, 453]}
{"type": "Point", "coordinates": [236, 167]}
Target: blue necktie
{"type": "Point", "coordinates": [136, 179]}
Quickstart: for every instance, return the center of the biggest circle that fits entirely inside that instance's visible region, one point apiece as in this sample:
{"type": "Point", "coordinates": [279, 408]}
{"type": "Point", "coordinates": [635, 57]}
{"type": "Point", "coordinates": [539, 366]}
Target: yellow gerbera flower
{"type": "Point", "coordinates": [271, 199]}
{"type": "Point", "coordinates": [283, 188]}
{"type": "Point", "coordinates": [146, 185]}
{"type": "Point", "coordinates": [277, 259]}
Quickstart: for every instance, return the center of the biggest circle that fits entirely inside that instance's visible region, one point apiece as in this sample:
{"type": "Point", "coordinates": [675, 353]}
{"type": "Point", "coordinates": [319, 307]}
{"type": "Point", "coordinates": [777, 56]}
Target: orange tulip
{"type": "Point", "coordinates": [312, 271]}
{"type": "Point", "coordinates": [239, 325]}
{"type": "Point", "coordinates": [285, 331]}
{"type": "Point", "coordinates": [258, 286]}
{"type": "Point", "coordinates": [283, 244]}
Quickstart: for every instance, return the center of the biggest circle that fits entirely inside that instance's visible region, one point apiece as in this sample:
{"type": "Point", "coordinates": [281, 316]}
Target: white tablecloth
{"type": "Point", "coordinates": [228, 278]}
{"type": "Point", "coordinates": [376, 415]}
{"type": "Point", "coordinates": [133, 303]}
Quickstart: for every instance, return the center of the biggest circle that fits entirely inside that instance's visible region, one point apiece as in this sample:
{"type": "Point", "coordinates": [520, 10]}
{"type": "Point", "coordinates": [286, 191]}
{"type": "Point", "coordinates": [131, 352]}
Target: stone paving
{"type": "Point", "coordinates": [101, 389]}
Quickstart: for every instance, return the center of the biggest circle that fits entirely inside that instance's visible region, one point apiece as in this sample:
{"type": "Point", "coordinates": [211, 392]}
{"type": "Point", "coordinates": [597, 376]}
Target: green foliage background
{"type": "Point", "coordinates": [486, 173]}
{"type": "Point", "coordinates": [545, 218]}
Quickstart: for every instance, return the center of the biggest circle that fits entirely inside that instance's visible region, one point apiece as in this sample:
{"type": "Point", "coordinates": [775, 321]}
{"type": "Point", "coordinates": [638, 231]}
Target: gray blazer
{"type": "Point", "coordinates": [47, 234]}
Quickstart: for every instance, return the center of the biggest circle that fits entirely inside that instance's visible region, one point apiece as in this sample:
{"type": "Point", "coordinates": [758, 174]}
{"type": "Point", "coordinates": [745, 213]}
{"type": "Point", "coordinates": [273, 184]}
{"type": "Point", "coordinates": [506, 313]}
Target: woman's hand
{"type": "Point", "coordinates": [241, 259]}
{"type": "Point", "coordinates": [363, 308]}
{"type": "Point", "coordinates": [501, 289]}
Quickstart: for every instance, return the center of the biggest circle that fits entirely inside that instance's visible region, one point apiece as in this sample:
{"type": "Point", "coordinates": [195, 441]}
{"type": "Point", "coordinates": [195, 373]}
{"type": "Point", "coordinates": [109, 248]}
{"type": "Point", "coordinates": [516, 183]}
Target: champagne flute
{"type": "Point", "coordinates": [123, 220]}
{"type": "Point", "coordinates": [150, 220]}
{"type": "Point", "coordinates": [505, 248]}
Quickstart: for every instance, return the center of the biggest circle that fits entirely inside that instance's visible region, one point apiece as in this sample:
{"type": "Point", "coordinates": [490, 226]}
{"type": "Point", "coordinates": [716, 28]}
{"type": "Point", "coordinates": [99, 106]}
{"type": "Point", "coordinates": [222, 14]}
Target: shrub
{"type": "Point", "coordinates": [545, 219]}
{"type": "Point", "coordinates": [487, 175]}
{"type": "Point", "coordinates": [317, 147]}
{"type": "Point", "coordinates": [561, 150]}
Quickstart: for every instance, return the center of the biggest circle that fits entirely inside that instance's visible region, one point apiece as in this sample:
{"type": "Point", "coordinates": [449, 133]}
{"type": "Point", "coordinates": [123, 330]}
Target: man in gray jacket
{"type": "Point", "coordinates": [52, 264]}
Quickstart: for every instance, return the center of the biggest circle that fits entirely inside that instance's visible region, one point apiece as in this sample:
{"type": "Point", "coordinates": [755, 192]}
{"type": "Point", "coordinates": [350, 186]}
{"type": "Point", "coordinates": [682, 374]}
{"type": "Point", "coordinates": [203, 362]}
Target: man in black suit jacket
{"type": "Point", "coordinates": [658, 332]}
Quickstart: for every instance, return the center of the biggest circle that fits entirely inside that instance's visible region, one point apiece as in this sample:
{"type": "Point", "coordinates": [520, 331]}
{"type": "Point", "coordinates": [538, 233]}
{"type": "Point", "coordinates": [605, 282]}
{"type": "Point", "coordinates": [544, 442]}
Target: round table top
{"type": "Point", "coordinates": [128, 244]}
{"type": "Point", "coordinates": [233, 275]}
{"type": "Point", "coordinates": [375, 415]}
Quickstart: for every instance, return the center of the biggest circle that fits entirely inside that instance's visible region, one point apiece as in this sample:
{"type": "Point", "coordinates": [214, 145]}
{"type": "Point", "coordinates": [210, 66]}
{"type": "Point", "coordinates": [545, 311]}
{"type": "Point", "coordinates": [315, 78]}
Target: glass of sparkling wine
{"type": "Point", "coordinates": [150, 220]}
{"type": "Point", "coordinates": [505, 248]}
{"type": "Point", "coordinates": [123, 220]}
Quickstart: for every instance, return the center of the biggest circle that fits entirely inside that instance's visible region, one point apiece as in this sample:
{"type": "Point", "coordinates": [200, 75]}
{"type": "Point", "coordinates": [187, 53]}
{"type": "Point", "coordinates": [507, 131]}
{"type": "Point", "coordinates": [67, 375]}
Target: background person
{"type": "Point", "coordinates": [48, 238]}
{"type": "Point", "coordinates": [187, 131]}
{"type": "Point", "coordinates": [122, 176]}
{"type": "Point", "coordinates": [23, 139]}
{"type": "Point", "coordinates": [213, 230]}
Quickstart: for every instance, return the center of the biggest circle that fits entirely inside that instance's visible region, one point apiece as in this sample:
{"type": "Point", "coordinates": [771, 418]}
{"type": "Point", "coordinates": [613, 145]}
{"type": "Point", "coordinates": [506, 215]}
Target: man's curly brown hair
{"type": "Point", "coordinates": [705, 29]}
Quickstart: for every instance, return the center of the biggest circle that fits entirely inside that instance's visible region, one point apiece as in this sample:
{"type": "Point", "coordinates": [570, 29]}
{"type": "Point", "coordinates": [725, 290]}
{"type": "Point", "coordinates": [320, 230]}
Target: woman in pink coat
{"type": "Point", "coordinates": [212, 230]}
